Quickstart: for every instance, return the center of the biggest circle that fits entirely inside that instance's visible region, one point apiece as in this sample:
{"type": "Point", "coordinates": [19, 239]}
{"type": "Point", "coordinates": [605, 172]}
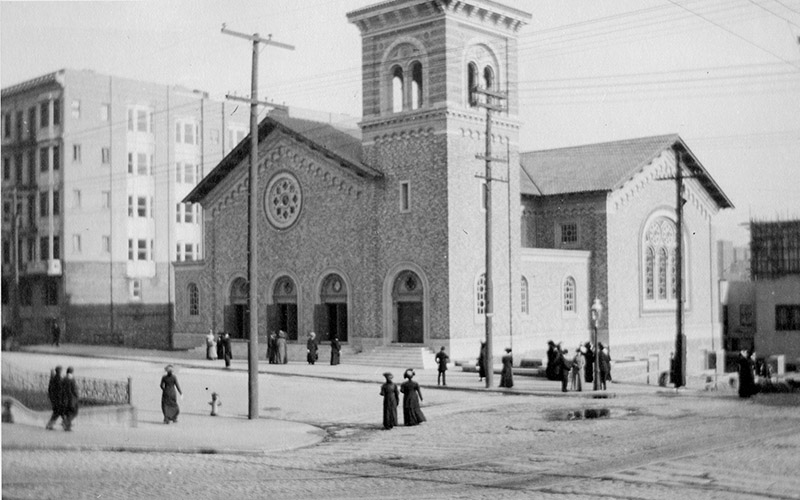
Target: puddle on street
{"type": "Point", "coordinates": [579, 414]}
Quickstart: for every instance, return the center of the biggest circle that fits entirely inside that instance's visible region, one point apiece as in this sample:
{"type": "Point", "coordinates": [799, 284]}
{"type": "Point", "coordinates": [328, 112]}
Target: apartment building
{"type": "Point", "coordinates": [94, 171]}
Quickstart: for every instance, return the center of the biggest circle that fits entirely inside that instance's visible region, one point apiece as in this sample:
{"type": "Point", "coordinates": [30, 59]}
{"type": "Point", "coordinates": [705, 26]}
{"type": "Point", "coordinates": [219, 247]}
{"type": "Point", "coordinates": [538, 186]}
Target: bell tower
{"type": "Point", "coordinates": [424, 130]}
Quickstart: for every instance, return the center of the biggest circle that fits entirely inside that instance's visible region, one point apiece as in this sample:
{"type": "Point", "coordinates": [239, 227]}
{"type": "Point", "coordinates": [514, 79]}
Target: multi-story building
{"type": "Point", "coordinates": [94, 171]}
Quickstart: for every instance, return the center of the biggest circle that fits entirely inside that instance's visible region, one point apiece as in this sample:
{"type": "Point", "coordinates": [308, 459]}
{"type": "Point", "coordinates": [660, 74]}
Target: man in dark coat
{"type": "Point", "coordinates": [441, 360]}
{"type": "Point", "coordinates": [69, 395]}
{"type": "Point", "coordinates": [336, 349]}
{"type": "Point", "coordinates": [564, 367]}
{"type": "Point", "coordinates": [604, 364]}
{"type": "Point", "coordinates": [482, 361]}
{"type": "Point", "coordinates": [588, 368]}
{"type": "Point", "coordinates": [226, 349]}
{"type": "Point", "coordinates": [55, 332]}
{"type": "Point", "coordinates": [552, 355]}
{"type": "Point", "coordinates": [747, 385]}
{"type": "Point", "coordinates": [54, 393]}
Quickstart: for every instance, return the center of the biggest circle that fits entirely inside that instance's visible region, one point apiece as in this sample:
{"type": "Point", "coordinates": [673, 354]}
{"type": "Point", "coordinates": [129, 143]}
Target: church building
{"type": "Point", "coordinates": [377, 235]}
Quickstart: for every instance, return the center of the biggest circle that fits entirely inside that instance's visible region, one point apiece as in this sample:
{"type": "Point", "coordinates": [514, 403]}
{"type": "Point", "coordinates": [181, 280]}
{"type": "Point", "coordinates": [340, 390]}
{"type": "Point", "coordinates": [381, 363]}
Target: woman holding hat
{"type": "Point", "coordinates": [412, 397]}
{"type": "Point", "coordinates": [391, 395]}
{"type": "Point", "coordinates": [169, 396]}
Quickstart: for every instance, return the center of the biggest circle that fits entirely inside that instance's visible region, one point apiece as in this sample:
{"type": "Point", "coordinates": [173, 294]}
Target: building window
{"type": "Point", "coordinates": [524, 308]}
{"type": "Point", "coordinates": [106, 196]}
{"type": "Point", "coordinates": [405, 196]}
{"type": "Point", "coordinates": [188, 214]}
{"type": "Point", "coordinates": [44, 115]}
{"type": "Point", "coordinates": [142, 168]}
{"type": "Point", "coordinates": [44, 248]}
{"type": "Point", "coordinates": [76, 108]}
{"type": "Point", "coordinates": [569, 295]}
{"type": "Point", "coordinates": [6, 249]}
{"type": "Point", "coordinates": [746, 314]}
{"type": "Point", "coordinates": [18, 168]}
{"type": "Point", "coordinates": [141, 121]}
{"type": "Point", "coordinates": [32, 209]}
{"type": "Point", "coordinates": [56, 111]}
{"type": "Point", "coordinates": [480, 296]}
{"type": "Point", "coordinates": [787, 317]}
{"type": "Point", "coordinates": [194, 300]}
{"type": "Point", "coordinates": [105, 156]}
{"type": "Point", "coordinates": [76, 153]}
{"type": "Point", "coordinates": [44, 203]}
{"type": "Point", "coordinates": [569, 233]}
{"type": "Point", "coordinates": [25, 293]}
{"type": "Point", "coordinates": [189, 173]}
{"type": "Point", "coordinates": [488, 78]}
{"type": "Point", "coordinates": [138, 250]}
{"type": "Point", "coordinates": [56, 158]}
{"type": "Point", "coordinates": [56, 247]}
{"type": "Point", "coordinates": [141, 206]}
{"type": "Point", "coordinates": [659, 264]}
{"type": "Point", "coordinates": [31, 125]}
{"type": "Point", "coordinates": [6, 168]}
{"type": "Point", "coordinates": [51, 292]}
{"type": "Point", "coordinates": [141, 250]}
{"type": "Point", "coordinates": [76, 243]}
{"type": "Point", "coordinates": [106, 243]}
{"type": "Point", "coordinates": [44, 159]}
{"type": "Point", "coordinates": [135, 289]}
{"type": "Point", "coordinates": [397, 89]}
{"type": "Point", "coordinates": [416, 85]}
{"type": "Point", "coordinates": [76, 198]}
{"type": "Point", "coordinates": [472, 83]}
{"type": "Point", "coordinates": [56, 202]}
{"type": "Point", "coordinates": [7, 125]}
{"type": "Point", "coordinates": [105, 112]}
{"type": "Point", "coordinates": [19, 122]}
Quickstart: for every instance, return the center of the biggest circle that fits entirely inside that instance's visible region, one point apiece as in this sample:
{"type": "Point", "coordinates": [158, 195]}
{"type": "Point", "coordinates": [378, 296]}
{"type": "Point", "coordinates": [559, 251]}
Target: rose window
{"type": "Point", "coordinates": [283, 200]}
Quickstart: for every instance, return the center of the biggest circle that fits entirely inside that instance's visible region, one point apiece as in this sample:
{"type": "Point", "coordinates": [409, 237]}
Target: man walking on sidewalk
{"type": "Point", "coordinates": [54, 393]}
{"type": "Point", "coordinates": [70, 399]}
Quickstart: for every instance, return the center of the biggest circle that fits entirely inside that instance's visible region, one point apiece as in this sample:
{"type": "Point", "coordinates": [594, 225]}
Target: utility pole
{"type": "Point", "coordinates": [252, 211]}
{"type": "Point", "coordinates": [488, 294]}
{"type": "Point", "coordinates": [680, 341]}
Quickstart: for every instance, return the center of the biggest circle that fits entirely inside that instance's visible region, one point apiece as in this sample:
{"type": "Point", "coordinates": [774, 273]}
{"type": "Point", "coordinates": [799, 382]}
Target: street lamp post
{"type": "Point", "coordinates": [597, 312]}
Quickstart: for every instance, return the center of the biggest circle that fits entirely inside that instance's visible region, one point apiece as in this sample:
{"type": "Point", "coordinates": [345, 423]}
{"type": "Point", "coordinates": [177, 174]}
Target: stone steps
{"type": "Point", "coordinates": [395, 357]}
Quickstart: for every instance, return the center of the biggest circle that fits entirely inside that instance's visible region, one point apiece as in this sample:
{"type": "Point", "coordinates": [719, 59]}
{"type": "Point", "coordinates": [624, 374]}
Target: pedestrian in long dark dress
{"type": "Point", "coordinates": [272, 347]}
{"type": "Point", "coordinates": [55, 332]}
{"type": "Point", "coordinates": [507, 374]}
{"type": "Point", "coordinates": [55, 396]}
{"type": "Point", "coordinates": [441, 360]}
{"type": "Point", "coordinates": [588, 368]}
{"type": "Point", "coordinates": [311, 349]}
{"type": "Point", "coordinates": [747, 382]}
{"type": "Point", "coordinates": [391, 397]}
{"type": "Point", "coordinates": [482, 361]}
{"type": "Point", "coordinates": [281, 357]}
{"type": "Point", "coordinates": [227, 353]}
{"type": "Point", "coordinates": [69, 399]}
{"type": "Point", "coordinates": [564, 368]}
{"type": "Point", "coordinates": [551, 371]}
{"type": "Point", "coordinates": [412, 397]}
{"type": "Point", "coordinates": [169, 396]}
{"type": "Point", "coordinates": [336, 349]}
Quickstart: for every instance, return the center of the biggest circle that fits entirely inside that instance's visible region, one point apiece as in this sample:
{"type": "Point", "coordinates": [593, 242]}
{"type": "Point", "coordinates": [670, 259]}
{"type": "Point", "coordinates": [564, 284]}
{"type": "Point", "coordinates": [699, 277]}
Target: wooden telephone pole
{"type": "Point", "coordinates": [488, 297]}
{"type": "Point", "coordinates": [252, 211]}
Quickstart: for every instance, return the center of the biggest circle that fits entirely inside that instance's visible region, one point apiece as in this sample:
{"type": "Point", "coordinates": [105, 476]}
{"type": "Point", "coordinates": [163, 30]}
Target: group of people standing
{"type": "Point", "coordinates": [63, 394]}
{"type": "Point", "coordinates": [219, 347]}
{"type": "Point", "coordinates": [506, 374]}
{"type": "Point", "coordinates": [573, 369]}
{"type": "Point", "coordinates": [412, 397]}
{"type": "Point", "coordinates": [276, 348]}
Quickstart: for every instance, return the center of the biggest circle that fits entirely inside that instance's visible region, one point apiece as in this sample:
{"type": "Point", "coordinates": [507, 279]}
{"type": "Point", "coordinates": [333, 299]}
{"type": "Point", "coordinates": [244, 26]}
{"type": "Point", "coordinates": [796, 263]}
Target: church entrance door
{"type": "Point", "coordinates": [408, 309]}
{"type": "Point", "coordinates": [330, 316]}
{"type": "Point", "coordinates": [282, 313]}
{"type": "Point", "coordinates": [237, 321]}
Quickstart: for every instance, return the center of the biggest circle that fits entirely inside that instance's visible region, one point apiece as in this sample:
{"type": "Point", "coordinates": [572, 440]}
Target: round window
{"type": "Point", "coordinates": [283, 200]}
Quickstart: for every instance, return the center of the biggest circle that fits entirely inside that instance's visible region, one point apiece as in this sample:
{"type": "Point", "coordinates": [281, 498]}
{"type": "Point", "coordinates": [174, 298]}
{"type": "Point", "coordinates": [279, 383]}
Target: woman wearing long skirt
{"type": "Point", "coordinates": [336, 349]}
{"type": "Point", "coordinates": [482, 361]}
{"type": "Point", "coordinates": [507, 376]}
{"type": "Point", "coordinates": [391, 395]}
{"type": "Point", "coordinates": [280, 357]}
{"type": "Point", "coordinates": [412, 397]}
{"type": "Point", "coordinates": [311, 349]}
{"type": "Point", "coordinates": [169, 396]}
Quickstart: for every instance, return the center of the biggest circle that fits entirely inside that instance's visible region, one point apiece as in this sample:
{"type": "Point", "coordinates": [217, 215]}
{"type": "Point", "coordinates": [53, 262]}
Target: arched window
{"type": "Point", "coordinates": [524, 295]}
{"type": "Point", "coordinates": [416, 85]}
{"type": "Point", "coordinates": [194, 300]}
{"type": "Point", "coordinates": [569, 295]}
{"type": "Point", "coordinates": [480, 296]}
{"type": "Point", "coordinates": [397, 89]}
{"type": "Point", "coordinates": [472, 82]}
{"type": "Point", "coordinates": [488, 78]}
{"type": "Point", "coordinates": [658, 261]}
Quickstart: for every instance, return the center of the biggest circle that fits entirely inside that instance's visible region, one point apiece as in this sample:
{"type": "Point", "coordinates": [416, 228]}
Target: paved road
{"type": "Point", "coordinates": [474, 445]}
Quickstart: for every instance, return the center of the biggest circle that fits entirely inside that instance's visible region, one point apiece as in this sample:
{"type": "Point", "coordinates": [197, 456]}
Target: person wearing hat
{"type": "Point", "coordinates": [552, 357]}
{"type": "Point", "coordinates": [336, 350]}
{"type": "Point", "coordinates": [604, 365]}
{"type": "Point", "coordinates": [311, 348]}
{"type": "Point", "coordinates": [441, 360]}
{"type": "Point", "coordinates": [54, 394]}
{"type": "Point", "coordinates": [482, 361]}
{"type": "Point", "coordinates": [391, 395]}
{"type": "Point", "coordinates": [169, 396]}
{"type": "Point", "coordinates": [69, 399]}
{"type": "Point", "coordinates": [507, 374]}
{"type": "Point", "coordinates": [412, 397]}
{"type": "Point", "coordinates": [588, 369]}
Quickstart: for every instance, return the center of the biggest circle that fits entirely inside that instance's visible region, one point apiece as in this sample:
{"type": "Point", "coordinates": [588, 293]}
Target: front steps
{"type": "Point", "coordinates": [395, 357]}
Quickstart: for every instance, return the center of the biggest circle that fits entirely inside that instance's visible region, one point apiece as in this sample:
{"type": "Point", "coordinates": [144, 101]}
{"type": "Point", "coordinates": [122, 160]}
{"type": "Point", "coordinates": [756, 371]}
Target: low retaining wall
{"type": "Point", "coordinates": [122, 415]}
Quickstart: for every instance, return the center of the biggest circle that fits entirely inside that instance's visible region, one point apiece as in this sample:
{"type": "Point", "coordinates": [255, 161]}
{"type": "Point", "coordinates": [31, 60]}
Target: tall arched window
{"type": "Point", "coordinates": [480, 296]}
{"type": "Point", "coordinates": [416, 85]}
{"type": "Point", "coordinates": [472, 82]}
{"type": "Point", "coordinates": [194, 300]}
{"type": "Point", "coordinates": [659, 249]}
{"type": "Point", "coordinates": [569, 295]}
{"type": "Point", "coordinates": [397, 89]}
{"type": "Point", "coordinates": [524, 295]}
{"type": "Point", "coordinates": [488, 78]}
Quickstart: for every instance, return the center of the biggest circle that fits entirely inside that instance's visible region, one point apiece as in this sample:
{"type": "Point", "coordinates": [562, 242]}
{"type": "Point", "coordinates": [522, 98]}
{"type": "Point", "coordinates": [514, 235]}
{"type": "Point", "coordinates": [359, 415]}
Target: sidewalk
{"type": "Point", "coordinates": [230, 434]}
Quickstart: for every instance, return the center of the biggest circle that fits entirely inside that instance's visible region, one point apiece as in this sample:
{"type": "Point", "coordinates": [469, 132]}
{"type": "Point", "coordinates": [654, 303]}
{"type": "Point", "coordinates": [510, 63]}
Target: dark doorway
{"type": "Point", "coordinates": [409, 322]}
{"type": "Point", "coordinates": [282, 313]}
{"type": "Point", "coordinates": [287, 320]}
{"type": "Point", "coordinates": [331, 313]}
{"type": "Point", "coordinates": [237, 319]}
{"type": "Point", "coordinates": [337, 321]}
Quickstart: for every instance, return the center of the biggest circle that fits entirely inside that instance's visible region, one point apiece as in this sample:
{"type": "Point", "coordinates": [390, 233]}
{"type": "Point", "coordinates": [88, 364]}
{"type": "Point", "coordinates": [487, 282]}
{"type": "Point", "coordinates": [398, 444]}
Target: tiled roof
{"type": "Point", "coordinates": [341, 147]}
{"type": "Point", "coordinates": [603, 167]}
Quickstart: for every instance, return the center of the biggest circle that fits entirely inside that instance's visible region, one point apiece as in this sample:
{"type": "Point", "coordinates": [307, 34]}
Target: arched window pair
{"type": "Point", "coordinates": [400, 100]}
{"type": "Point", "coordinates": [480, 296]}
{"type": "Point", "coordinates": [660, 247]}
{"type": "Point", "coordinates": [485, 81]}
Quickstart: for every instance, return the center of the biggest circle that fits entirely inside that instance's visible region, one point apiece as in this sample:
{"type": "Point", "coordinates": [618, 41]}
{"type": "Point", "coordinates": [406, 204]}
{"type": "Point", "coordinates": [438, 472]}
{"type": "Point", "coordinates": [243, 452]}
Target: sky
{"type": "Point", "coordinates": [724, 74]}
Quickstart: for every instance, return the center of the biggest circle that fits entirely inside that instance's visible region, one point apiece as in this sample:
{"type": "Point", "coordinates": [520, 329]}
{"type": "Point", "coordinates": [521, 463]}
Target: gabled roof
{"type": "Point", "coordinates": [341, 147]}
{"type": "Point", "coordinates": [605, 167]}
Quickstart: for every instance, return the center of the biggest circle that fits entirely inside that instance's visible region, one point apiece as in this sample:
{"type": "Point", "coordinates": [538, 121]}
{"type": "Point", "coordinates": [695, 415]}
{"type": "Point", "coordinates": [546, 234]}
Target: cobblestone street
{"type": "Point", "coordinates": [474, 445]}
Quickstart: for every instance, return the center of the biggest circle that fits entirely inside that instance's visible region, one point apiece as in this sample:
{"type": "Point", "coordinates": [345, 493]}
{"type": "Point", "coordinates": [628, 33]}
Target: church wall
{"type": "Point", "coordinates": [633, 330]}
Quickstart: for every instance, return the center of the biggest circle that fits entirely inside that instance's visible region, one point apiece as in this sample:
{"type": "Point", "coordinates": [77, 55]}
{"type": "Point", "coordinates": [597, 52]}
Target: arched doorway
{"type": "Point", "coordinates": [237, 319]}
{"type": "Point", "coordinates": [408, 310]}
{"type": "Point", "coordinates": [282, 313]}
{"type": "Point", "coordinates": [331, 313]}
